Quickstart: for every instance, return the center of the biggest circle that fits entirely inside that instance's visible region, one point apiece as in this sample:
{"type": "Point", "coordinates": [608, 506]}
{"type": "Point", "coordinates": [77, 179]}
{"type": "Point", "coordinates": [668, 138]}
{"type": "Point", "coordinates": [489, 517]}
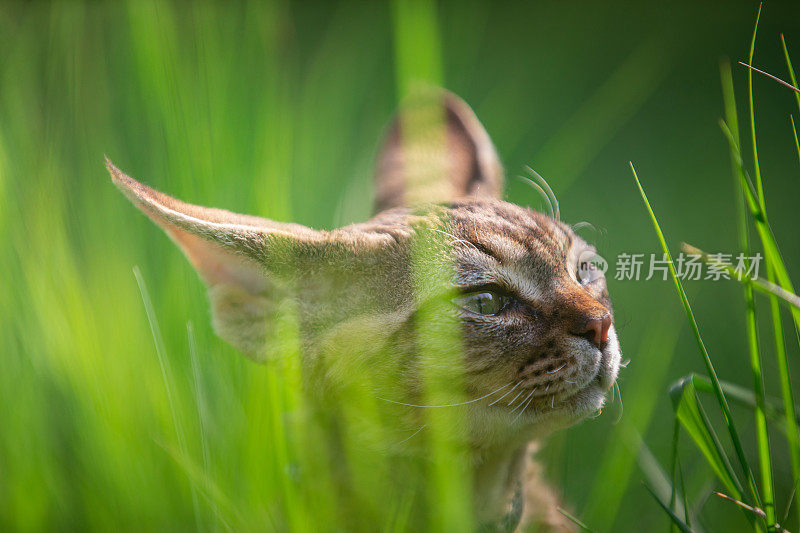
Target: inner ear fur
{"type": "Point", "coordinates": [436, 150]}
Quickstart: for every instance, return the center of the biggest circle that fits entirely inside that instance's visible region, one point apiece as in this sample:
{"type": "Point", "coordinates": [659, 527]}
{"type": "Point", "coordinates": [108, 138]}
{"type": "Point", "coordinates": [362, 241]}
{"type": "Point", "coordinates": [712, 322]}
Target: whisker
{"type": "Point", "coordinates": [621, 406]}
{"type": "Point", "coordinates": [542, 192]}
{"type": "Point", "coordinates": [556, 370]}
{"type": "Point", "coordinates": [412, 435]}
{"type": "Point", "coordinates": [549, 189]}
{"type": "Point", "coordinates": [523, 401]}
{"type": "Point", "coordinates": [552, 402]}
{"type": "Point", "coordinates": [448, 404]}
{"type": "Point", "coordinates": [625, 363]}
{"type": "Point", "coordinates": [570, 381]}
{"type": "Point", "coordinates": [583, 224]}
{"type": "Point", "coordinates": [515, 397]}
{"type": "Point", "coordinates": [455, 239]}
{"type": "Point", "coordinates": [506, 394]}
{"type": "Point", "coordinates": [523, 410]}
{"type": "Point", "coordinates": [548, 387]}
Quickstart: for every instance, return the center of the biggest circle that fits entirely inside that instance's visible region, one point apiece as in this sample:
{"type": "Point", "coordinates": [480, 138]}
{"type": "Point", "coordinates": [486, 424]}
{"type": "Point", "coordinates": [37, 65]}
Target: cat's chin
{"type": "Point", "coordinates": [570, 405]}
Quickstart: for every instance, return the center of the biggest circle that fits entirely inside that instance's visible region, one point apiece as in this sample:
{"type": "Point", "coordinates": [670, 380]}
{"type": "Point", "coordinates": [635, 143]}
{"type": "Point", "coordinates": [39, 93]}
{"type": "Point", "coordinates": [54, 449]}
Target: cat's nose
{"type": "Point", "coordinates": [595, 330]}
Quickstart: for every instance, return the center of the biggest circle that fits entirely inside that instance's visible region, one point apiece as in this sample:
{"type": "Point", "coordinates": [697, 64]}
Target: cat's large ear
{"type": "Point", "coordinates": [242, 259]}
{"type": "Point", "coordinates": [436, 150]}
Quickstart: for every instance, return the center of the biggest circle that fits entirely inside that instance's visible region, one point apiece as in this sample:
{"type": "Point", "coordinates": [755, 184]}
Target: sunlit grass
{"type": "Point", "coordinates": [758, 503]}
{"type": "Point", "coordinates": [119, 405]}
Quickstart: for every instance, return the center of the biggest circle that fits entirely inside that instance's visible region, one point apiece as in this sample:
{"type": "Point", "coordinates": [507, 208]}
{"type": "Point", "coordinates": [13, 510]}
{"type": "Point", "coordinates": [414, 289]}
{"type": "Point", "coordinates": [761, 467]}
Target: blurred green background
{"type": "Point", "coordinates": [276, 109]}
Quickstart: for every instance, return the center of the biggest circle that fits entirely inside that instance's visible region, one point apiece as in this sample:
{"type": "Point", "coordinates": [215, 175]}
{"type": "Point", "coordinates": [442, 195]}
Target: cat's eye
{"type": "Point", "coordinates": [486, 303]}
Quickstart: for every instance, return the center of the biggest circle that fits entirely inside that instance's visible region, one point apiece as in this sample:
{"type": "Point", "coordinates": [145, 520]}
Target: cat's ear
{"type": "Point", "coordinates": [436, 150]}
{"type": "Point", "coordinates": [242, 259]}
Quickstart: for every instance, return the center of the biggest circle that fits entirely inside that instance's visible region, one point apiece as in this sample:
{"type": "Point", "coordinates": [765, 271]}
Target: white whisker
{"type": "Point", "coordinates": [515, 397]}
{"type": "Point", "coordinates": [549, 189]}
{"type": "Point", "coordinates": [523, 410]}
{"type": "Point", "coordinates": [580, 225]}
{"type": "Point", "coordinates": [455, 239]}
{"type": "Point", "coordinates": [570, 381]}
{"type": "Point", "coordinates": [541, 191]}
{"type": "Point", "coordinates": [412, 435]}
{"type": "Point", "coordinates": [548, 387]}
{"type": "Point", "coordinates": [556, 370]}
{"type": "Point", "coordinates": [552, 402]}
{"type": "Point", "coordinates": [625, 363]}
{"type": "Point", "coordinates": [523, 401]}
{"type": "Point", "coordinates": [621, 406]}
{"type": "Point", "coordinates": [448, 404]}
{"type": "Point", "coordinates": [506, 394]}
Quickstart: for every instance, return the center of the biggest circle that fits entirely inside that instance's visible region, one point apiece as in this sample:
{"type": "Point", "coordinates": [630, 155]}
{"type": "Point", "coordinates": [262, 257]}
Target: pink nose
{"type": "Point", "coordinates": [597, 330]}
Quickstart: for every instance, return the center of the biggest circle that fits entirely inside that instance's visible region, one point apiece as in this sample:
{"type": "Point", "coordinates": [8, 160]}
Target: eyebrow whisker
{"type": "Point", "coordinates": [455, 239]}
{"type": "Point", "coordinates": [541, 192]}
{"type": "Point", "coordinates": [549, 189]}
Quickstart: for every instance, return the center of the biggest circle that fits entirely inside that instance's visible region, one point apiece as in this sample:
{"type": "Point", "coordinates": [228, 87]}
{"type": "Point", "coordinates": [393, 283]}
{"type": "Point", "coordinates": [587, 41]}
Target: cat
{"type": "Point", "coordinates": [446, 280]}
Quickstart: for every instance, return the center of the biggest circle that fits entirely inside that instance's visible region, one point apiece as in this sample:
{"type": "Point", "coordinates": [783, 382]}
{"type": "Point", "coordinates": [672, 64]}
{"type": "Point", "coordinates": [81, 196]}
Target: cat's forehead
{"type": "Point", "coordinates": [510, 232]}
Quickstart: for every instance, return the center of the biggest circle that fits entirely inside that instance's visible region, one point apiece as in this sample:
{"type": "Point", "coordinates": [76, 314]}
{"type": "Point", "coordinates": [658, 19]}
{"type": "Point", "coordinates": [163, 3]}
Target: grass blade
{"type": "Point", "coordinates": [762, 435]}
{"type": "Point", "coordinates": [677, 475]}
{"type": "Point", "coordinates": [777, 326]}
{"type": "Point", "coordinates": [776, 268]}
{"type": "Point", "coordinates": [783, 370]}
{"type": "Point", "coordinates": [694, 420]}
{"type": "Point", "coordinates": [794, 132]}
{"type": "Point", "coordinates": [161, 351]}
{"type": "Point", "coordinates": [723, 403]}
{"type": "Point", "coordinates": [790, 68]}
{"type": "Point", "coordinates": [762, 285]}
{"type": "Point", "coordinates": [682, 526]}
{"type": "Point", "coordinates": [575, 520]}
{"type": "Point", "coordinates": [740, 395]}
{"type": "Point", "coordinates": [759, 186]}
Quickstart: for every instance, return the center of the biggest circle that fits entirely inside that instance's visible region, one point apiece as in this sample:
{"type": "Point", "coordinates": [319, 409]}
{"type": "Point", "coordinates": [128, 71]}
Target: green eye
{"type": "Point", "coordinates": [482, 303]}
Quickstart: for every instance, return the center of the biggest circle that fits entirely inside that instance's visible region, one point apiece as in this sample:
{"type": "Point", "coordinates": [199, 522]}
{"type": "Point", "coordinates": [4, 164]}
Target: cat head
{"type": "Point", "coordinates": [502, 291]}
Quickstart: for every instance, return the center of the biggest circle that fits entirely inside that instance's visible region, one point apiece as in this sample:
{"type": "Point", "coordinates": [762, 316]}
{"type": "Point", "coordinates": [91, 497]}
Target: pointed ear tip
{"type": "Point", "coordinates": [136, 192]}
{"type": "Point", "coordinates": [117, 175]}
{"type": "Point", "coordinates": [124, 182]}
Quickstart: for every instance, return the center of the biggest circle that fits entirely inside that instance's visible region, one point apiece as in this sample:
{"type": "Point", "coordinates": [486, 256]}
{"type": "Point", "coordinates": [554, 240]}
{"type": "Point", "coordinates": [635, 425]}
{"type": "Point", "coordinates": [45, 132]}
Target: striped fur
{"type": "Point", "coordinates": [360, 292]}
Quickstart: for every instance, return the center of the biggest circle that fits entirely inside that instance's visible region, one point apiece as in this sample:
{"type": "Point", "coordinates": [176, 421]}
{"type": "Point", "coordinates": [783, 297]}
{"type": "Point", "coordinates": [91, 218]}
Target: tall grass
{"type": "Point", "coordinates": [118, 406]}
{"type": "Point", "coordinates": [758, 502]}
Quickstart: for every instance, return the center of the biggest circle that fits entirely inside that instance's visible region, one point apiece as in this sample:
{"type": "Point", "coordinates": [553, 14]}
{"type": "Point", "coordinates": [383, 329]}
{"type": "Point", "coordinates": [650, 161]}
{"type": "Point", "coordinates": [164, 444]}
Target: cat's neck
{"type": "Point", "coordinates": [498, 494]}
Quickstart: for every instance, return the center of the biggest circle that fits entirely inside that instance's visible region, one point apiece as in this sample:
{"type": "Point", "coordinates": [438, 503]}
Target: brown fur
{"type": "Point", "coordinates": [362, 290]}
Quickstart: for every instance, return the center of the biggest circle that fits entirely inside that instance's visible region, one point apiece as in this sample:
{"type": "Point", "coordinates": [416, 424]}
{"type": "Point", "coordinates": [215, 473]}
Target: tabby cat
{"type": "Point", "coordinates": [446, 282]}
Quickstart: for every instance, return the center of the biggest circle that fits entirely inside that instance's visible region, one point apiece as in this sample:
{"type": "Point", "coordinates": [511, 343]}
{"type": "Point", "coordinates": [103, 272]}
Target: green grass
{"type": "Point", "coordinates": [688, 407]}
{"type": "Point", "coordinates": [119, 408]}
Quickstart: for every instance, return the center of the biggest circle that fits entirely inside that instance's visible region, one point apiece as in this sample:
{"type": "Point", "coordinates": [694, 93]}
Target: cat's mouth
{"type": "Point", "coordinates": [577, 378]}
